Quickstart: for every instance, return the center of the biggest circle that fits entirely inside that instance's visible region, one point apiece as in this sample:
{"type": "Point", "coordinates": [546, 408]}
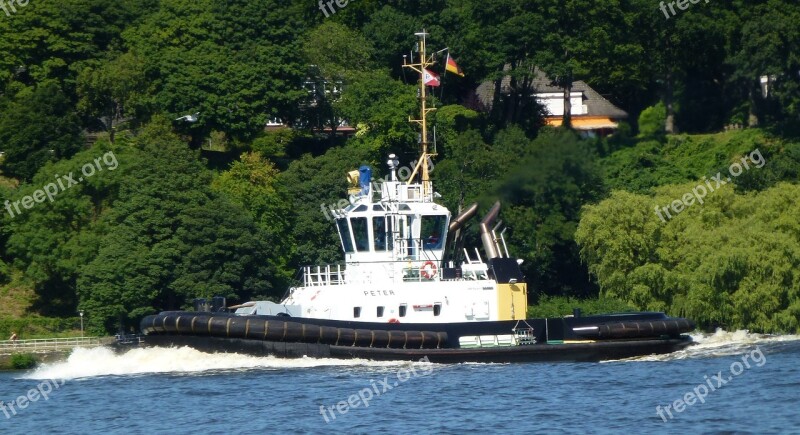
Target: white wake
{"type": "Point", "coordinates": [720, 343]}
{"type": "Point", "coordinates": [101, 361]}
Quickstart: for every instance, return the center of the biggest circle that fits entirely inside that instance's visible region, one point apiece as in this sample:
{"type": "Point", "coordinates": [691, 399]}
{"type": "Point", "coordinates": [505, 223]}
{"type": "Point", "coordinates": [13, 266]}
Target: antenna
{"type": "Point", "coordinates": [421, 69]}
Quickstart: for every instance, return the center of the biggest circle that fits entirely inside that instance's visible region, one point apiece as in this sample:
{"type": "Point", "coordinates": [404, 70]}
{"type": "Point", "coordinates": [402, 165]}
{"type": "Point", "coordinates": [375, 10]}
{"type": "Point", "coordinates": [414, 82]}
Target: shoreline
{"type": "Point", "coordinates": [27, 358]}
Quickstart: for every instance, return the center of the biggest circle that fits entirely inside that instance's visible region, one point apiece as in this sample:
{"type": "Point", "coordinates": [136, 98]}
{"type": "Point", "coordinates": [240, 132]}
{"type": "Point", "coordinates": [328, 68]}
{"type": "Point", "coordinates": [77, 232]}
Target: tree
{"type": "Point", "coordinates": [728, 262]}
{"type": "Point", "coordinates": [334, 54]}
{"type": "Point", "coordinates": [589, 39]}
{"type": "Point", "coordinates": [53, 41]}
{"type": "Point", "coordinates": [382, 105]}
{"type": "Point", "coordinates": [252, 183]}
{"type": "Point", "coordinates": [467, 172]}
{"type": "Point", "coordinates": [113, 91]}
{"type": "Point", "coordinates": [237, 63]}
{"type": "Point", "coordinates": [544, 193]}
{"type": "Point", "coordinates": [767, 45]}
{"type": "Point", "coordinates": [37, 126]}
{"type": "Point", "coordinates": [173, 239]}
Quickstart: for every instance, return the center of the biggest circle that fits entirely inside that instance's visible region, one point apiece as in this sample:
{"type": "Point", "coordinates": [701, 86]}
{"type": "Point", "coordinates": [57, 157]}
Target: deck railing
{"type": "Point", "coordinates": [323, 275]}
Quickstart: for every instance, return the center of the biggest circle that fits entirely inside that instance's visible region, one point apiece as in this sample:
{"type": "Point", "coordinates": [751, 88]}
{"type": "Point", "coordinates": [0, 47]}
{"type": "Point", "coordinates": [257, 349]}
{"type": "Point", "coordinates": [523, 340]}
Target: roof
{"type": "Point", "coordinates": [596, 104]}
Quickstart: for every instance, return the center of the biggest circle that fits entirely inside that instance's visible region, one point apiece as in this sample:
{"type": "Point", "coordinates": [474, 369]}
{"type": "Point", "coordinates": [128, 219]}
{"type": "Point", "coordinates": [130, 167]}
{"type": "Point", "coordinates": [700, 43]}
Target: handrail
{"type": "Point", "coordinates": [54, 344]}
{"type": "Point", "coordinates": [319, 276]}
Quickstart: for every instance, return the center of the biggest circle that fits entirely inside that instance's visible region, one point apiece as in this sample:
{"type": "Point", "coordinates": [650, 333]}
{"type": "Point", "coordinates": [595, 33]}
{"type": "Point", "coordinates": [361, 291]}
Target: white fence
{"type": "Point", "coordinates": [8, 347]}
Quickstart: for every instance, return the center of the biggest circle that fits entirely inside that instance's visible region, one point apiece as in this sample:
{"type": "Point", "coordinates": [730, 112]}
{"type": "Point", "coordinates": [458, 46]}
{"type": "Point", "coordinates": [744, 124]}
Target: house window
{"type": "Point", "coordinates": [437, 308]}
{"type": "Point", "coordinates": [356, 312]}
{"type": "Point", "coordinates": [380, 311]}
{"type": "Point", "coordinates": [403, 308]}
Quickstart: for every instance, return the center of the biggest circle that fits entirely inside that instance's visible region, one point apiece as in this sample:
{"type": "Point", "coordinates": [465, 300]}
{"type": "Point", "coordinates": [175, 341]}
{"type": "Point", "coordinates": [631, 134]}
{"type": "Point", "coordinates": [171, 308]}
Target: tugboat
{"type": "Point", "coordinates": [409, 289]}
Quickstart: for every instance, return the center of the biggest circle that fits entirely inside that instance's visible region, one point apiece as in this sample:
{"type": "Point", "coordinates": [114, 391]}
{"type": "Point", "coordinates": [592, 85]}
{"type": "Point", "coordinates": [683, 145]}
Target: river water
{"type": "Point", "coordinates": [730, 382]}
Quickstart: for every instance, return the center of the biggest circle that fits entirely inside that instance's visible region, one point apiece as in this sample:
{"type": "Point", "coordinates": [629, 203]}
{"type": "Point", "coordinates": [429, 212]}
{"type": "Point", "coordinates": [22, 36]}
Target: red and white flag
{"type": "Point", "coordinates": [430, 78]}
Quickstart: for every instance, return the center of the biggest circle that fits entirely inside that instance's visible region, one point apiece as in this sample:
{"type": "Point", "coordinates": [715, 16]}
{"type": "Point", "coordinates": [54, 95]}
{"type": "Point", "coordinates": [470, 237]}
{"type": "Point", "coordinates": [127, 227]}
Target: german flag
{"type": "Point", "coordinates": [452, 66]}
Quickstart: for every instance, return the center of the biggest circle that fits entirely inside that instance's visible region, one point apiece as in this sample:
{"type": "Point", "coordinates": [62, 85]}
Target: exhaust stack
{"type": "Point", "coordinates": [465, 215]}
{"type": "Point", "coordinates": [489, 244]}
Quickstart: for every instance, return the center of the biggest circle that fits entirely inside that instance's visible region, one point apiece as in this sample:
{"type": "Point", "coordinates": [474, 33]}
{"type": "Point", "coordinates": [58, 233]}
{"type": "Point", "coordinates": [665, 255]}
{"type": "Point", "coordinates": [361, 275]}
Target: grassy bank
{"type": "Point", "coordinates": [32, 327]}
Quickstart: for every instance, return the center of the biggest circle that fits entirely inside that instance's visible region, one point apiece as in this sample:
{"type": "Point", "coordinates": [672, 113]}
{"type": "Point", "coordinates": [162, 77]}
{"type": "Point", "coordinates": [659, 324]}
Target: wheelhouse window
{"type": "Point", "coordinates": [382, 232]}
{"type": "Point", "coordinates": [433, 231]}
{"type": "Point", "coordinates": [360, 233]}
{"type": "Point", "coordinates": [344, 234]}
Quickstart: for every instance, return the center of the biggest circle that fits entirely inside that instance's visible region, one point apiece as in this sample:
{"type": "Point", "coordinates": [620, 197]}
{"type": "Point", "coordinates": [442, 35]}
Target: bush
{"type": "Point", "coordinates": [652, 121]}
{"type": "Point", "coordinates": [23, 361]}
{"type": "Point", "coordinates": [560, 306]}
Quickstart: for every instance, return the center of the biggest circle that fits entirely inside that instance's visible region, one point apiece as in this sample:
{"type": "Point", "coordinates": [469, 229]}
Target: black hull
{"type": "Point", "coordinates": [556, 339]}
{"type": "Point", "coordinates": [575, 352]}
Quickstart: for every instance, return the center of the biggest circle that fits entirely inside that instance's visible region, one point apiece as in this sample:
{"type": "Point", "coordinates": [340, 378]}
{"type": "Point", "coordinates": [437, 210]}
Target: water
{"type": "Point", "coordinates": [184, 391]}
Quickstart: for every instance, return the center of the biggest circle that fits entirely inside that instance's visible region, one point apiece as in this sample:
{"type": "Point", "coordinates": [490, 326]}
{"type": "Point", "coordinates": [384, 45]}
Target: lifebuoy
{"type": "Point", "coordinates": [393, 320]}
{"type": "Point", "coordinates": [428, 270]}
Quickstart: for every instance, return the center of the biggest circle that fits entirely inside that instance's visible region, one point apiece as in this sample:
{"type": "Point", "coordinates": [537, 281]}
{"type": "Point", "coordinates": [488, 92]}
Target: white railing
{"type": "Point", "coordinates": [49, 344]}
{"type": "Point", "coordinates": [322, 276]}
{"type": "Point", "coordinates": [407, 192]}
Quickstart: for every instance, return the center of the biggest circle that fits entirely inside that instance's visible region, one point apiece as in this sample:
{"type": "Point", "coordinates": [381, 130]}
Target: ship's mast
{"type": "Point", "coordinates": [424, 63]}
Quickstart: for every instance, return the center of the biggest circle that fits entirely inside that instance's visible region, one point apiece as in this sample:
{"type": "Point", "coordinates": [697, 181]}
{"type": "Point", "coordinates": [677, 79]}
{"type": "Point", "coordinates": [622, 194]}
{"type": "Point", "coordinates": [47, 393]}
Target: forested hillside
{"type": "Point", "coordinates": [137, 172]}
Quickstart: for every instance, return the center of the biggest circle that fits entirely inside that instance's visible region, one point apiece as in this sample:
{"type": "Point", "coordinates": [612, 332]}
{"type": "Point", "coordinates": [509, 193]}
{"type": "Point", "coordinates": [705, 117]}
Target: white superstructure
{"type": "Point", "coordinates": [395, 268]}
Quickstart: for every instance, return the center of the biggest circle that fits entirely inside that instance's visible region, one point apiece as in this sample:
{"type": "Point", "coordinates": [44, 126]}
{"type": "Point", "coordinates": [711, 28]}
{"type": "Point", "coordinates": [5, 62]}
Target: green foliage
{"type": "Point", "coordinates": [451, 120]}
{"type": "Point", "coordinates": [467, 172]}
{"type": "Point", "coordinates": [686, 157]}
{"type": "Point", "coordinates": [34, 326]}
{"type": "Point", "coordinates": [560, 306]}
{"type": "Point", "coordinates": [652, 121]}
{"type": "Point", "coordinates": [238, 63]}
{"type": "Point", "coordinates": [768, 43]}
{"type": "Point", "coordinates": [53, 40]}
{"type": "Point", "coordinates": [37, 126]}
{"type": "Point", "coordinates": [114, 90]}
{"type": "Point", "coordinates": [252, 183]}
{"type": "Point", "coordinates": [277, 144]}
{"type": "Point", "coordinates": [729, 262]}
{"type": "Point", "coordinates": [148, 235]}
{"type": "Point", "coordinates": [337, 51]}
{"type": "Point", "coordinates": [382, 104]}
{"type": "Point", "coordinates": [23, 361]}
{"type": "Point", "coordinates": [544, 193]}
{"type": "Point", "coordinates": [173, 239]}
